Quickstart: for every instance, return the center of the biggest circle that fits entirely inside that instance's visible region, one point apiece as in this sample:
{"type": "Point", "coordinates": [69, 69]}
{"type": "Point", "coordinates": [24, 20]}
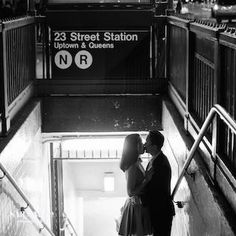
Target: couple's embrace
{"type": "Point", "coordinates": [149, 209]}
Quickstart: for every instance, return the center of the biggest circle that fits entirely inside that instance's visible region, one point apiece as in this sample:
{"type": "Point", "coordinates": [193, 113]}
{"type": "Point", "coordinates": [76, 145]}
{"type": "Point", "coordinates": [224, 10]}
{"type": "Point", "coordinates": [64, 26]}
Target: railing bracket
{"type": "Point", "coordinates": [186, 123]}
{"type": "Point", "coordinates": [179, 204]}
{"type": "Point", "coordinates": [192, 174]}
{"type": "Point", "coordinates": [22, 209]}
{"type": "Point", "coordinates": [41, 229]}
{"type": "Point", "coordinates": [4, 174]}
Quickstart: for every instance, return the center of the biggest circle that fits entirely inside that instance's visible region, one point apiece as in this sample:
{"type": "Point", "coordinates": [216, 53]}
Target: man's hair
{"type": "Point", "coordinates": [130, 151]}
{"type": "Point", "coordinates": [156, 138]}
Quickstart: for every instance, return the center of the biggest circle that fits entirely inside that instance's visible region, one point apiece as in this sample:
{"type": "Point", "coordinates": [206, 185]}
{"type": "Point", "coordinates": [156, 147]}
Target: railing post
{"type": "Point", "coordinates": [216, 100]}
{"type": "Point", "coordinates": [41, 40]}
{"type": "Point", "coordinates": [189, 46]}
{"type": "Point", "coordinates": [170, 4]}
{"type": "Point", "coordinates": [48, 68]}
{"type": "Point", "coordinates": [57, 197]}
{"type": "Point", "coordinates": [217, 71]}
{"type": "Point", "coordinates": [167, 47]}
{"type": "Point", "coordinates": [153, 50]}
{"type": "Point", "coordinates": [5, 119]}
{"type": "Point", "coordinates": [1, 78]}
{"type": "Point", "coordinates": [214, 144]}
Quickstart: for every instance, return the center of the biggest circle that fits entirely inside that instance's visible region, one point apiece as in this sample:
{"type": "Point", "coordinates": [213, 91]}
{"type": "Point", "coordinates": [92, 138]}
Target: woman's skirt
{"type": "Point", "coordinates": [135, 219]}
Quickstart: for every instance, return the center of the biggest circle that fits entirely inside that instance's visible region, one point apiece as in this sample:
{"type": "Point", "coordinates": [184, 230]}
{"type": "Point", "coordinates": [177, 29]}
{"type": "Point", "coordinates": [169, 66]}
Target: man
{"type": "Point", "coordinates": [157, 196]}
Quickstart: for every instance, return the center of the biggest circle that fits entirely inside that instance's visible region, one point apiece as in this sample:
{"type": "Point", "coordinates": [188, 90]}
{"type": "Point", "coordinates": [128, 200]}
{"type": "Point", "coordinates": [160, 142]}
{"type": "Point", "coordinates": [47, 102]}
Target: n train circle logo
{"type": "Point", "coordinates": [83, 59]}
{"type": "Point", "coordinates": [63, 59]}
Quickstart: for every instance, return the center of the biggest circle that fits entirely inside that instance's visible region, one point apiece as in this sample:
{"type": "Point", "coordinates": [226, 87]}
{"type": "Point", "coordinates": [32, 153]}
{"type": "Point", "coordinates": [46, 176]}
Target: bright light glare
{"type": "Point", "coordinates": [216, 7]}
{"type": "Point", "coordinates": [31, 185]}
{"type": "Point", "coordinates": [109, 183]}
{"type": "Point", "coordinates": [95, 143]}
{"type": "Point", "coordinates": [106, 146]}
{"type": "Point", "coordinates": [184, 10]}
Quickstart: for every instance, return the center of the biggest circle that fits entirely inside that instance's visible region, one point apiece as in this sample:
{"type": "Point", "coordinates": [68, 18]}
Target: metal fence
{"type": "Point", "coordinates": [17, 66]}
{"type": "Point", "coordinates": [206, 77]}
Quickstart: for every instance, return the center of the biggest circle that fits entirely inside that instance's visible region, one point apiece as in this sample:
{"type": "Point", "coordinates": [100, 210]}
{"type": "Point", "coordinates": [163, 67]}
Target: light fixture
{"type": "Point", "coordinates": [109, 182]}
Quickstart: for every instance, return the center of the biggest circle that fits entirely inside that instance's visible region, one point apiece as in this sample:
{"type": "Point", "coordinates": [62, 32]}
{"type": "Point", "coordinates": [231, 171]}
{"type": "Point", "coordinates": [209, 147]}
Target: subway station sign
{"type": "Point", "coordinates": [105, 54]}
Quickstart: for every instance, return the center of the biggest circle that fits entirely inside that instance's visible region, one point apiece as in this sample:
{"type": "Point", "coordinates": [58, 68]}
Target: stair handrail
{"type": "Point", "coordinates": [23, 196]}
{"type": "Point", "coordinates": [215, 110]}
{"type": "Point", "coordinates": [66, 218]}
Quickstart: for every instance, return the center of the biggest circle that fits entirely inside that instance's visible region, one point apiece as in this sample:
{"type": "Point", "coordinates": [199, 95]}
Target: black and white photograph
{"type": "Point", "coordinates": [117, 118]}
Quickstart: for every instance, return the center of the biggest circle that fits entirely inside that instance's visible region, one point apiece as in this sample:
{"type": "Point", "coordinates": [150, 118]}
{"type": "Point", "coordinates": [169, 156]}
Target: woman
{"type": "Point", "coordinates": [134, 217]}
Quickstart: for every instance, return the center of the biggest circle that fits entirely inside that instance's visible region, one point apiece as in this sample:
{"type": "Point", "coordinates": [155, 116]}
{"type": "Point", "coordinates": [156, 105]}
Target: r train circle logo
{"type": "Point", "coordinates": [83, 59]}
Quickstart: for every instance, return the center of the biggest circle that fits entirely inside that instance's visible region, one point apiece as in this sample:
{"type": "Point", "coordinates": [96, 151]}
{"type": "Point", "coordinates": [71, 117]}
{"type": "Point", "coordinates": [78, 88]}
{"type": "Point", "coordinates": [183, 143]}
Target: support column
{"type": "Point", "coordinates": [57, 194]}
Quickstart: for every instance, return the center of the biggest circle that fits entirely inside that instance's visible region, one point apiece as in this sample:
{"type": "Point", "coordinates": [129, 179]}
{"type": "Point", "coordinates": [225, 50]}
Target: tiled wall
{"type": "Point", "coordinates": [23, 158]}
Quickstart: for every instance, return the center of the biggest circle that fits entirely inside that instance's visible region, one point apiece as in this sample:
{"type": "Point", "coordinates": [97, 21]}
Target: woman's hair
{"type": "Point", "coordinates": [130, 152]}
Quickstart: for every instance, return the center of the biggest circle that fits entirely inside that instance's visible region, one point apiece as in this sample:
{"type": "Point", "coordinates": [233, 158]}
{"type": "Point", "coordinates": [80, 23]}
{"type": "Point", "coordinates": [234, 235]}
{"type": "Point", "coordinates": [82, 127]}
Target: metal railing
{"type": "Point", "coordinates": [68, 226]}
{"type": "Point", "coordinates": [89, 154]}
{"type": "Point", "coordinates": [17, 66]}
{"type": "Point", "coordinates": [28, 203]}
{"type": "Point", "coordinates": [215, 110]}
{"type": "Point", "coordinates": [18, 48]}
{"type": "Point", "coordinates": [93, 154]}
